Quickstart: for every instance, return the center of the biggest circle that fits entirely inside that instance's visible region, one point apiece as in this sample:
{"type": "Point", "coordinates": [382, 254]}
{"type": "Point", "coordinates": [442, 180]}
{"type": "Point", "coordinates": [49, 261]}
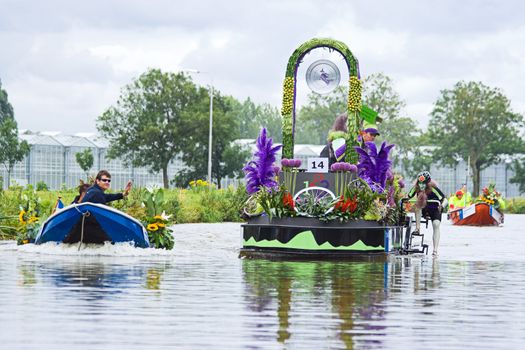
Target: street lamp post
{"type": "Point", "coordinates": [210, 135]}
{"type": "Point", "coordinates": [196, 71]}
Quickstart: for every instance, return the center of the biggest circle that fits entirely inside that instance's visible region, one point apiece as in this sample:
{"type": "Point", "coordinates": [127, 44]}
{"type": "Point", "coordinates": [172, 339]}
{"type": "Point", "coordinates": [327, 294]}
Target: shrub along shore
{"type": "Point", "coordinates": [198, 204]}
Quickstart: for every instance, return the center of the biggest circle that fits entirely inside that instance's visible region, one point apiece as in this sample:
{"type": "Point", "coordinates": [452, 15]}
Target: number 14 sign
{"type": "Point", "coordinates": [317, 165]}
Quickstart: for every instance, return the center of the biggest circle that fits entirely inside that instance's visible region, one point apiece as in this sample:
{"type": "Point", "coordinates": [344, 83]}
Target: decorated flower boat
{"type": "Point", "coordinates": [479, 214]}
{"type": "Point", "coordinates": [349, 209]}
{"type": "Point", "coordinates": [486, 212]}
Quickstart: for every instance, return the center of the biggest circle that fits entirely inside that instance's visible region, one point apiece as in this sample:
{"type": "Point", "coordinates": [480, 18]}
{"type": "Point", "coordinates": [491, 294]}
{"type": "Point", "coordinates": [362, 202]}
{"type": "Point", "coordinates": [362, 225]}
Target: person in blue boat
{"type": "Point", "coordinates": [430, 202]}
{"type": "Point", "coordinates": [95, 194]}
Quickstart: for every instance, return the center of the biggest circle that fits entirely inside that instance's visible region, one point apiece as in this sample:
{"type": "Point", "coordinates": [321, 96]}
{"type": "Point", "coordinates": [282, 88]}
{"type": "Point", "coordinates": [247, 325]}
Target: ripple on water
{"type": "Point", "coordinates": [200, 295]}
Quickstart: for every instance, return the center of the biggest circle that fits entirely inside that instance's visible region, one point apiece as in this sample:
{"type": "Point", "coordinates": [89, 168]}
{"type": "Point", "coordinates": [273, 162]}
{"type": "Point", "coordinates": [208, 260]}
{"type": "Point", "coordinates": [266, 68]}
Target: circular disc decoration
{"type": "Point", "coordinates": [323, 76]}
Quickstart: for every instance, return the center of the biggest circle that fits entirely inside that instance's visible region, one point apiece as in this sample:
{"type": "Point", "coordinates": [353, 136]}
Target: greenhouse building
{"type": "Point", "coordinates": [52, 161]}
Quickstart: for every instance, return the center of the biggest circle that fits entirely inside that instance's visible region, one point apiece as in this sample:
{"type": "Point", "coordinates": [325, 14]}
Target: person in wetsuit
{"type": "Point", "coordinates": [425, 189]}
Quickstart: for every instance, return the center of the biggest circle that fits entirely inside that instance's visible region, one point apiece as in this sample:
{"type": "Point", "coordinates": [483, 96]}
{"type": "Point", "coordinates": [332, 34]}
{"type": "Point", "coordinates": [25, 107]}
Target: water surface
{"type": "Point", "coordinates": [200, 295]}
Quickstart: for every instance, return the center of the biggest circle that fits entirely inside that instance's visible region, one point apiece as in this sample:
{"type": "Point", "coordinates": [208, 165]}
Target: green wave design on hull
{"type": "Point", "coordinates": [305, 240]}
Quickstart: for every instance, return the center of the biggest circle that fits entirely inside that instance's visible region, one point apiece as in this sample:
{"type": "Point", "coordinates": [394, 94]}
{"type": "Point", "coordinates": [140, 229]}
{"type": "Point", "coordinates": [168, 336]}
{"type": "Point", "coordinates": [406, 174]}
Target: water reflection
{"type": "Point", "coordinates": [27, 276]}
{"type": "Point", "coordinates": [93, 278]}
{"type": "Point", "coordinates": [353, 294]}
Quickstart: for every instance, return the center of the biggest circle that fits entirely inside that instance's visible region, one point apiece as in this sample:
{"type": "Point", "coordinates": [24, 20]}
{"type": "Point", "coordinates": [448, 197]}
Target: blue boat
{"type": "Point", "coordinates": [92, 223]}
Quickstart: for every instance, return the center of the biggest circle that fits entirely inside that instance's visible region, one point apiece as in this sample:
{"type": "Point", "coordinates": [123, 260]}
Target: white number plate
{"type": "Point", "coordinates": [317, 165]}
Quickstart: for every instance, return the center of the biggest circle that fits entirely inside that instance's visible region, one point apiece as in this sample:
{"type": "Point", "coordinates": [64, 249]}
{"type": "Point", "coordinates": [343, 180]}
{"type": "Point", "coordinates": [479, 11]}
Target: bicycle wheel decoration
{"type": "Point", "coordinates": [252, 208]}
{"type": "Point", "coordinates": [314, 201]}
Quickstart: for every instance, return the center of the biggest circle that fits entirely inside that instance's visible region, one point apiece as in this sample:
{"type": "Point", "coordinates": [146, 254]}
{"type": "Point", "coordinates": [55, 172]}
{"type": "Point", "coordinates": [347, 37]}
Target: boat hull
{"type": "Point", "coordinates": [92, 223]}
{"type": "Point", "coordinates": [479, 214]}
{"type": "Point", "coordinates": [310, 238]}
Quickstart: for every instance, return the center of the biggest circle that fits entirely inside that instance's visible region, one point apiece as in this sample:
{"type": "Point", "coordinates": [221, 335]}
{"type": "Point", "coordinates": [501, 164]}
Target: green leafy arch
{"type": "Point", "coordinates": [289, 95]}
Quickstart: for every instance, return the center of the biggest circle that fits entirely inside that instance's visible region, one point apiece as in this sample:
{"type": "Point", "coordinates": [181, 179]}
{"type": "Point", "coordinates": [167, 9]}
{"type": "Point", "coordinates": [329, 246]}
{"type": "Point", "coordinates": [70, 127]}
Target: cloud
{"type": "Point", "coordinates": [63, 63]}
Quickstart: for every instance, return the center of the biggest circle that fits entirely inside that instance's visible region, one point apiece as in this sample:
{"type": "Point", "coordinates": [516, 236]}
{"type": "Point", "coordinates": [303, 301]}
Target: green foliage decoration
{"type": "Point", "coordinates": [354, 97]}
{"type": "Point", "coordinates": [276, 202]}
{"type": "Point", "coordinates": [30, 217]}
{"type": "Point", "coordinates": [157, 221]}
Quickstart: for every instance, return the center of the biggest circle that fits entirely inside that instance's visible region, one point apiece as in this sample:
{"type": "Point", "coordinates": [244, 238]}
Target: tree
{"type": "Point", "coordinates": [519, 175]}
{"type": "Point", "coordinates": [380, 95]}
{"type": "Point", "coordinates": [252, 118]}
{"type": "Point", "coordinates": [270, 118]}
{"type": "Point", "coordinates": [227, 158]}
{"type": "Point", "coordinates": [146, 127]}
{"type": "Point", "coordinates": [85, 160]}
{"type": "Point", "coordinates": [473, 121]}
{"type": "Point", "coordinates": [6, 110]}
{"type": "Point", "coordinates": [12, 150]}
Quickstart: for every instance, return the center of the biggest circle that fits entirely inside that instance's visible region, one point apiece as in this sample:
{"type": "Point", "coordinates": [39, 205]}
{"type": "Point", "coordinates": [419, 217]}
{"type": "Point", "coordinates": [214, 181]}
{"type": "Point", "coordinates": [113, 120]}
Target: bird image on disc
{"type": "Point", "coordinates": [323, 76]}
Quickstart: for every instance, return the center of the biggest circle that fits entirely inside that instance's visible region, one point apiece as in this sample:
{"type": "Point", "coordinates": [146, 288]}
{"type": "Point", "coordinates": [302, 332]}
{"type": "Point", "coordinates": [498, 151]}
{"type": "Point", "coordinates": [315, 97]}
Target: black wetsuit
{"type": "Point", "coordinates": [432, 209]}
{"type": "Point", "coordinates": [95, 194]}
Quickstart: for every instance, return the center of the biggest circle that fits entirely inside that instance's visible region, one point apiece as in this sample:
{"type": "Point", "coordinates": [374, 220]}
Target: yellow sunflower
{"type": "Point", "coordinates": [160, 224]}
{"type": "Point", "coordinates": [21, 216]}
{"type": "Point", "coordinates": [152, 227]}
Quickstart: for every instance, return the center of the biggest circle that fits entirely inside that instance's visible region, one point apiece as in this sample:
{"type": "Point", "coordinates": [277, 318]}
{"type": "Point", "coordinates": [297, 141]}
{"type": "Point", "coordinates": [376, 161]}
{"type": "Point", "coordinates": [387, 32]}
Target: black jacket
{"type": "Point", "coordinates": [95, 194]}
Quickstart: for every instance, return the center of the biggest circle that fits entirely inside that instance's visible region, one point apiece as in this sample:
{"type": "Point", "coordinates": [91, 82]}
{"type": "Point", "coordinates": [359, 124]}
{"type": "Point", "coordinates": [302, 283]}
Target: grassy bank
{"type": "Point", "coordinates": [198, 204]}
{"type": "Point", "coordinates": [515, 206]}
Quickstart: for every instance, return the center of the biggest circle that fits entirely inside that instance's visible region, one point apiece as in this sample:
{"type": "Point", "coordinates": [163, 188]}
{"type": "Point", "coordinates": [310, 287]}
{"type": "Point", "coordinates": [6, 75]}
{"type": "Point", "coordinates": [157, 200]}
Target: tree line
{"type": "Point", "coordinates": [470, 121]}
{"type": "Point", "coordinates": [162, 115]}
{"type": "Point", "coordinates": [12, 150]}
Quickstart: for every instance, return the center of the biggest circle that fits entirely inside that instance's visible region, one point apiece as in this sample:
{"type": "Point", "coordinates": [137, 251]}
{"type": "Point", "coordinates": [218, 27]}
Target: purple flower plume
{"type": "Point", "coordinates": [260, 171]}
{"type": "Point", "coordinates": [389, 175]}
{"type": "Point", "coordinates": [374, 165]}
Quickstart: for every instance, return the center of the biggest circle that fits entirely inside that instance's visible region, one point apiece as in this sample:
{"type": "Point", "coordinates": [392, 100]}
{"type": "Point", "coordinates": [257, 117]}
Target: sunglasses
{"type": "Point", "coordinates": [106, 180]}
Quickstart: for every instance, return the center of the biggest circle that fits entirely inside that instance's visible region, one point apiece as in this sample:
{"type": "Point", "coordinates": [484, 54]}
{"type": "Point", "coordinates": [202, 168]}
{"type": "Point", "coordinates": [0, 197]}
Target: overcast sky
{"type": "Point", "coordinates": [64, 62]}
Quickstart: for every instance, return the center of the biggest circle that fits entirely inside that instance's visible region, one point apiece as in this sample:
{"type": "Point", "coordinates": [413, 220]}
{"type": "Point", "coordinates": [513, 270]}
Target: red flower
{"type": "Point", "coordinates": [346, 205]}
{"type": "Point", "coordinates": [288, 201]}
